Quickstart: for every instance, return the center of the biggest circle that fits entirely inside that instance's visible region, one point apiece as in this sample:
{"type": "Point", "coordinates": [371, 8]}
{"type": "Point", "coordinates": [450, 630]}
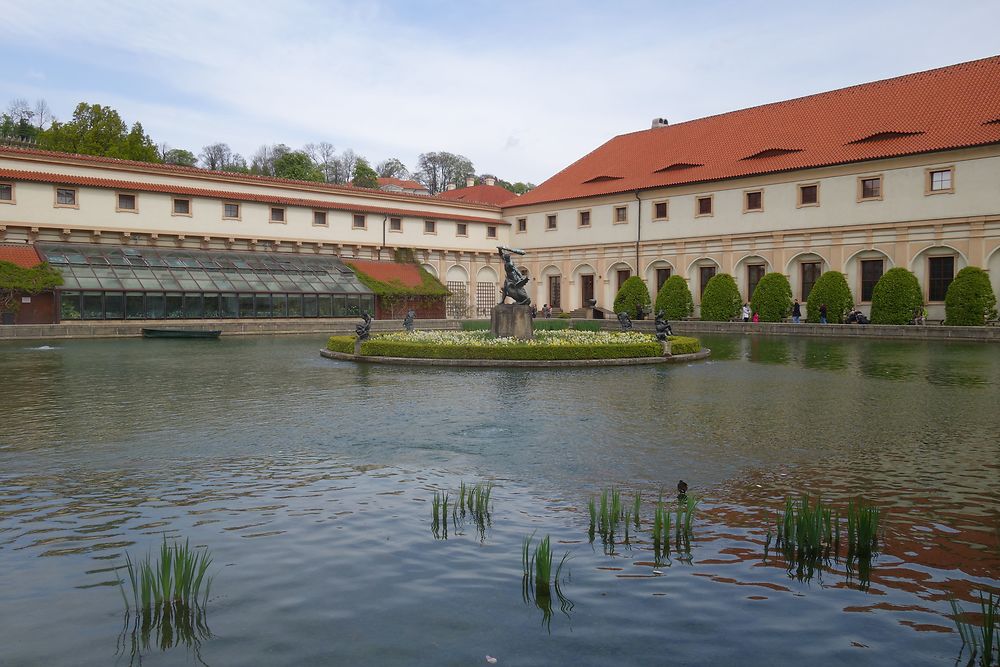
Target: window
{"type": "Point", "coordinates": [753, 201]}
{"type": "Point", "coordinates": [662, 275]}
{"type": "Point", "coordinates": [550, 222]}
{"type": "Point", "coordinates": [703, 206]}
{"type": "Point", "coordinates": [430, 227]}
{"type": "Point", "coordinates": [395, 224]}
{"type": "Point", "coordinates": [127, 203]}
{"type": "Point", "coordinates": [809, 195]}
{"type": "Point", "coordinates": [6, 193]}
{"type": "Point", "coordinates": [754, 273]}
{"type": "Point", "coordinates": [584, 219]}
{"type": "Point", "coordinates": [522, 225]}
{"type": "Point", "coordinates": [182, 207]}
{"type": "Point", "coordinates": [870, 188]}
{"type": "Point", "coordinates": [359, 221]}
{"type": "Point", "coordinates": [623, 275]}
{"type": "Point", "coordinates": [941, 271]}
{"type": "Point", "coordinates": [231, 211]}
{"type": "Point", "coordinates": [66, 197]}
{"type": "Point", "coordinates": [319, 218]}
{"type": "Point", "coordinates": [705, 274]}
{"type": "Point", "coordinates": [277, 214]}
{"type": "Point", "coordinates": [871, 271]}
{"type": "Point", "coordinates": [660, 210]}
{"type": "Point", "coordinates": [620, 215]}
{"type": "Point", "coordinates": [462, 229]}
{"type": "Point", "coordinates": [939, 181]}
{"type": "Point", "coordinates": [491, 231]}
{"type": "Point", "coordinates": [810, 274]}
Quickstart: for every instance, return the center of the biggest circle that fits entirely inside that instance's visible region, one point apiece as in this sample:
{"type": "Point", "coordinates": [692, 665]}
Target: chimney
{"type": "Point", "coordinates": [659, 122]}
{"type": "Point", "coordinates": [490, 180]}
{"type": "Point", "coordinates": [470, 181]}
{"type": "Point", "coordinates": [450, 186]}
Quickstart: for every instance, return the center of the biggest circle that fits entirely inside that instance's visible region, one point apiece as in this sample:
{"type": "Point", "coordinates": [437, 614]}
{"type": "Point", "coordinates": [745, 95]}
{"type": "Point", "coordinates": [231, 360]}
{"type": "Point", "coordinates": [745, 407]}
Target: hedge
{"type": "Point", "coordinates": [632, 295]}
{"type": "Point", "coordinates": [585, 326]}
{"type": "Point", "coordinates": [684, 344]}
{"type": "Point", "coordinates": [674, 299]}
{"type": "Point", "coordinates": [721, 301]}
{"type": "Point", "coordinates": [831, 289]}
{"type": "Point", "coordinates": [343, 344]}
{"type": "Point", "coordinates": [549, 325]}
{"type": "Point", "coordinates": [970, 301]}
{"type": "Point", "coordinates": [537, 325]}
{"type": "Point", "coordinates": [772, 298]}
{"type": "Point", "coordinates": [896, 295]}
{"type": "Point", "coordinates": [383, 348]}
{"type": "Point", "coordinates": [475, 325]}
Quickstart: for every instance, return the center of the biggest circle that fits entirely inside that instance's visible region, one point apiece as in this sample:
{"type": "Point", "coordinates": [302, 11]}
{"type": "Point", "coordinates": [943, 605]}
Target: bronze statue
{"type": "Point", "coordinates": [408, 320]}
{"type": "Point", "coordinates": [625, 321]}
{"type": "Point", "coordinates": [513, 284]}
{"type": "Point", "coordinates": [364, 329]}
{"type": "Point", "coordinates": [662, 327]}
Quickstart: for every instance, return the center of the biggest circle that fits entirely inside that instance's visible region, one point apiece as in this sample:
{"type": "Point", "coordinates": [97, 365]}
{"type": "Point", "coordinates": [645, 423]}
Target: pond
{"type": "Point", "coordinates": [312, 482]}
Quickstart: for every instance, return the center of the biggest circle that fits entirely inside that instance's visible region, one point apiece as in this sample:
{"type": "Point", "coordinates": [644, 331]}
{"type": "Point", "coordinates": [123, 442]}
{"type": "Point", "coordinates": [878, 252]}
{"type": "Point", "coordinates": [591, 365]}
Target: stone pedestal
{"type": "Point", "coordinates": [510, 321]}
{"type": "Point", "coordinates": [666, 348]}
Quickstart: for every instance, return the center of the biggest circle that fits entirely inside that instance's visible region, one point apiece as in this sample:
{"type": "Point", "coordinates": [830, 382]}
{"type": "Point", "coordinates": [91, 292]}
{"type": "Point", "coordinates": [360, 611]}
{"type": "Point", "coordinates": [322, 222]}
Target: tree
{"type": "Point", "coordinates": [99, 130]}
{"type": "Point", "coordinates": [721, 300]}
{"type": "Point", "coordinates": [19, 110]}
{"type": "Point", "coordinates": [296, 165]}
{"type": "Point", "coordinates": [262, 162]}
{"type": "Point", "coordinates": [344, 167]}
{"type": "Point", "coordinates": [896, 296]}
{"type": "Point", "coordinates": [41, 113]}
{"type": "Point", "coordinates": [392, 168]}
{"type": "Point", "coordinates": [364, 176]}
{"type": "Point", "coordinates": [632, 295]}
{"type": "Point", "coordinates": [772, 298]}
{"type": "Point", "coordinates": [16, 281]}
{"type": "Point", "coordinates": [436, 170]}
{"type": "Point", "coordinates": [970, 300]}
{"type": "Point", "coordinates": [220, 157]}
{"type": "Point", "coordinates": [180, 157]}
{"type": "Point", "coordinates": [324, 155]}
{"type": "Point", "coordinates": [674, 299]}
{"type": "Point", "coordinates": [831, 288]}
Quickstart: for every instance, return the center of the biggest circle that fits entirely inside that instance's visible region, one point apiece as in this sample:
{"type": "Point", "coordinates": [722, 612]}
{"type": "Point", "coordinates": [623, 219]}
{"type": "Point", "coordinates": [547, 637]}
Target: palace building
{"type": "Point", "coordinates": [901, 172]}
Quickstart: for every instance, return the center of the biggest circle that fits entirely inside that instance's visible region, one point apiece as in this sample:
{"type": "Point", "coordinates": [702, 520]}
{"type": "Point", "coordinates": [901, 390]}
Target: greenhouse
{"type": "Point", "coordinates": [106, 282]}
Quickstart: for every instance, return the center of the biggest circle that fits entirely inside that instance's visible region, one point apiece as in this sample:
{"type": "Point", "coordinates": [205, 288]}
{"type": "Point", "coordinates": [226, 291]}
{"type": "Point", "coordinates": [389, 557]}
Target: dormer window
{"type": "Point", "coordinates": [678, 166]}
{"type": "Point", "coordinates": [772, 152]}
{"type": "Point", "coordinates": [883, 136]}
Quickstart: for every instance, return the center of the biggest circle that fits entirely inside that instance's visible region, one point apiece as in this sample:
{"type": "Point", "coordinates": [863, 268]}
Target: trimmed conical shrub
{"type": "Point", "coordinates": [632, 295]}
{"type": "Point", "coordinates": [970, 300]}
{"type": "Point", "coordinates": [772, 299]}
{"type": "Point", "coordinates": [674, 299]}
{"type": "Point", "coordinates": [896, 296]}
{"type": "Point", "coordinates": [831, 289]}
{"type": "Point", "coordinates": [721, 300]}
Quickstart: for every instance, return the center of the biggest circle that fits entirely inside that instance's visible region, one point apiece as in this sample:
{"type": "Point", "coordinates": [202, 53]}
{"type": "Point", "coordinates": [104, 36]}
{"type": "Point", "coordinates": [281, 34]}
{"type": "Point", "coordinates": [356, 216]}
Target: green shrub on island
{"type": "Point", "coordinates": [970, 301]}
{"type": "Point", "coordinates": [684, 344]}
{"type": "Point", "coordinates": [831, 289]}
{"type": "Point", "coordinates": [632, 296]}
{"type": "Point", "coordinates": [772, 298]}
{"type": "Point", "coordinates": [475, 325]}
{"type": "Point", "coordinates": [721, 301]}
{"type": "Point", "coordinates": [343, 344]}
{"type": "Point", "coordinates": [585, 326]}
{"type": "Point", "coordinates": [549, 325]}
{"type": "Point", "coordinates": [895, 297]}
{"type": "Point", "coordinates": [674, 299]}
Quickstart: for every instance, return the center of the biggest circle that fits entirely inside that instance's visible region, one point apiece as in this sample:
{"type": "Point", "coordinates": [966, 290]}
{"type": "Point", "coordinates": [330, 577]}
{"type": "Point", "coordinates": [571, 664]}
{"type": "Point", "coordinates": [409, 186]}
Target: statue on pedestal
{"type": "Point", "coordinates": [364, 329]}
{"type": "Point", "coordinates": [408, 320]}
{"type": "Point", "coordinates": [514, 282]}
{"type": "Point", "coordinates": [662, 327]}
{"type": "Point", "coordinates": [625, 321]}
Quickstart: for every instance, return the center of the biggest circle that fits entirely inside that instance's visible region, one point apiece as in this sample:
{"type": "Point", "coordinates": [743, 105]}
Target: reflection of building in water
{"type": "Point", "coordinates": [895, 173]}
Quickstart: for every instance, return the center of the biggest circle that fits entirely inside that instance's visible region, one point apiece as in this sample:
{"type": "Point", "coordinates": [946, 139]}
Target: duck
{"type": "Point", "coordinates": [682, 488]}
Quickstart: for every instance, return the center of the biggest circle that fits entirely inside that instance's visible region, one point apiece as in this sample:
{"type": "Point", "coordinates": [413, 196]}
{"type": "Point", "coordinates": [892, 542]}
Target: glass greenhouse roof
{"type": "Point", "coordinates": [108, 267]}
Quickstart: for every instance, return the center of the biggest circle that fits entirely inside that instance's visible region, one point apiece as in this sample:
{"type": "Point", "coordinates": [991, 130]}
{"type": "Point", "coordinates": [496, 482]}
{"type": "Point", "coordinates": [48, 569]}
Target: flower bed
{"type": "Point", "coordinates": [547, 345]}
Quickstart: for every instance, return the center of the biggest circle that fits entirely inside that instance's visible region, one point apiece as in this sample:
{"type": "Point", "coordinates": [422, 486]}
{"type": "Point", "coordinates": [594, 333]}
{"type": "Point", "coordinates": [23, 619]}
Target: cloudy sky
{"type": "Point", "coordinates": [521, 88]}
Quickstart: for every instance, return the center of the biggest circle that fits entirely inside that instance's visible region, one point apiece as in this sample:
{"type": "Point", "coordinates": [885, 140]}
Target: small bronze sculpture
{"type": "Point", "coordinates": [408, 320]}
{"type": "Point", "coordinates": [364, 329]}
{"type": "Point", "coordinates": [662, 327]}
{"type": "Point", "coordinates": [625, 321]}
{"type": "Point", "coordinates": [513, 284]}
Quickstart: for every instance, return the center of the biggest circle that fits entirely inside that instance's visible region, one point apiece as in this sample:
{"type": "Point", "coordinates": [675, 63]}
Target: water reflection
{"type": "Point", "coordinates": [164, 626]}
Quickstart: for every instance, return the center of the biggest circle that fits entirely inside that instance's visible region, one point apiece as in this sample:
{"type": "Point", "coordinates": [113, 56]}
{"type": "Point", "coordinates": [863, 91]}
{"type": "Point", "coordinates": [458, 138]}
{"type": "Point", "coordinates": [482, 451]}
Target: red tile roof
{"type": "Point", "coordinates": [235, 177]}
{"type": "Point", "coordinates": [64, 179]}
{"type": "Point", "coordinates": [20, 254]}
{"type": "Point", "coordinates": [402, 183]}
{"type": "Point", "coordinates": [388, 272]}
{"type": "Point", "coordinates": [947, 108]}
{"type": "Point", "coordinates": [479, 194]}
